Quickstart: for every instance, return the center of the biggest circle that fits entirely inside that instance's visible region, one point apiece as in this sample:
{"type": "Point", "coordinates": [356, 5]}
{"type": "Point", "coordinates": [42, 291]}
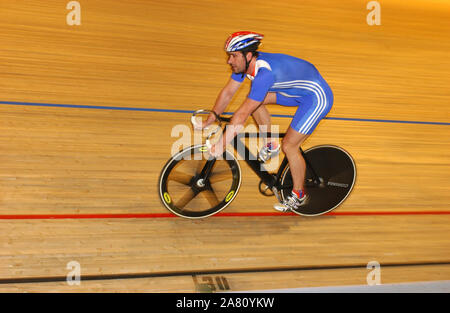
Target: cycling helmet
{"type": "Point", "coordinates": [241, 40]}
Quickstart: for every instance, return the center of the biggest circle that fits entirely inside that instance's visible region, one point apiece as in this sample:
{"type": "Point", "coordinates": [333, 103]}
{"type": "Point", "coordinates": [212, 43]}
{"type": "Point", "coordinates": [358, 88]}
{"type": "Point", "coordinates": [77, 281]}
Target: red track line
{"type": "Point", "coordinates": [169, 215]}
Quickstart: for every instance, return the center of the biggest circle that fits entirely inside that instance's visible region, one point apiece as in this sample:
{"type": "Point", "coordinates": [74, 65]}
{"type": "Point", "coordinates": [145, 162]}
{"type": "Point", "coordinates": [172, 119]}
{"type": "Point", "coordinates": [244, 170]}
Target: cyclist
{"type": "Point", "coordinates": [276, 79]}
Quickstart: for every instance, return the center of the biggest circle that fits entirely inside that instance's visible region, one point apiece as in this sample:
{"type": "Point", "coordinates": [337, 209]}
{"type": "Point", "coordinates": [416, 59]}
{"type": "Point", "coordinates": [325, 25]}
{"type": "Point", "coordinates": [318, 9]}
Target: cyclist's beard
{"type": "Point", "coordinates": [239, 69]}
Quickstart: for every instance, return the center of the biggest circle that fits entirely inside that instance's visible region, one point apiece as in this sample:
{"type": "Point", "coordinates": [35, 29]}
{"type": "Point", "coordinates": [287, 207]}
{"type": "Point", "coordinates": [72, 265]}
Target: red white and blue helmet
{"type": "Point", "coordinates": [241, 40]}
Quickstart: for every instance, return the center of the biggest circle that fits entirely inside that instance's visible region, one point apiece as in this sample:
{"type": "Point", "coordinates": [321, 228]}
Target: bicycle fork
{"type": "Point", "coordinates": [205, 173]}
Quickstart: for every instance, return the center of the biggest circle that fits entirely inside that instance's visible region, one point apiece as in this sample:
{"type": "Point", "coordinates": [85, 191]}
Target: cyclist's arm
{"type": "Point", "coordinates": [235, 126]}
{"type": "Point", "coordinates": [261, 85]}
{"type": "Point", "coordinates": [240, 117]}
{"type": "Point", "coordinates": [223, 99]}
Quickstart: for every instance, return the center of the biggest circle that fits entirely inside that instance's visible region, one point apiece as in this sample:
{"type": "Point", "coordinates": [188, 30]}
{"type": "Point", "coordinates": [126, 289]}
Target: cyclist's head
{"type": "Point", "coordinates": [245, 42]}
{"type": "Point", "coordinates": [242, 41]}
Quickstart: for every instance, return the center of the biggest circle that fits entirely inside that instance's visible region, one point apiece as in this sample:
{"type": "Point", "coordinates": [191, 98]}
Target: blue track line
{"type": "Point", "coordinates": [75, 106]}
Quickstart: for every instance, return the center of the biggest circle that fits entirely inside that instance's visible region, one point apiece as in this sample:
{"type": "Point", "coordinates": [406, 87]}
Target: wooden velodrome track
{"type": "Point", "coordinates": [87, 111]}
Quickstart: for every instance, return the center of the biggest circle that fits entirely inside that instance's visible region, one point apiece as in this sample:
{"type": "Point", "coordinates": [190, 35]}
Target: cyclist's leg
{"type": "Point", "coordinates": [262, 119]}
{"type": "Point", "coordinates": [290, 147]}
{"type": "Point", "coordinates": [262, 116]}
{"type": "Point", "coordinates": [311, 109]}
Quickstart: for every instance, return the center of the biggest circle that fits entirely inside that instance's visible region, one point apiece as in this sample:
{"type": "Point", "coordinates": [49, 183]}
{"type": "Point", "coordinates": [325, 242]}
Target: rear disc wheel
{"type": "Point", "coordinates": [337, 172]}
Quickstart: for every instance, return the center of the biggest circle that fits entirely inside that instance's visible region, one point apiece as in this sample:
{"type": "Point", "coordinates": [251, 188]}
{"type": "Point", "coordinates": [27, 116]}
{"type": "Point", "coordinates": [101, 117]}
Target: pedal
{"type": "Point", "coordinates": [265, 190]}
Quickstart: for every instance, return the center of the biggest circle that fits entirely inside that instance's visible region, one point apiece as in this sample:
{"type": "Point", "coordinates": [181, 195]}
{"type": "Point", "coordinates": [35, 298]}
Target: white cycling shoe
{"type": "Point", "coordinates": [271, 149]}
{"type": "Point", "coordinates": [292, 202]}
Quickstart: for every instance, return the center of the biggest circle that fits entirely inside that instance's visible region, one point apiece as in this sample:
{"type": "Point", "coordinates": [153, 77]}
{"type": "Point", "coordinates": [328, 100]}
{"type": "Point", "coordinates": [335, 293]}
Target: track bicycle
{"type": "Point", "coordinates": [192, 184]}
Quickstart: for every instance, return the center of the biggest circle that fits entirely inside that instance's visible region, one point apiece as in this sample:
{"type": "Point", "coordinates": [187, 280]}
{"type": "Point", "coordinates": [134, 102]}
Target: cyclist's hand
{"type": "Point", "coordinates": [200, 125]}
{"type": "Point", "coordinates": [203, 125]}
{"type": "Point", "coordinates": [216, 150]}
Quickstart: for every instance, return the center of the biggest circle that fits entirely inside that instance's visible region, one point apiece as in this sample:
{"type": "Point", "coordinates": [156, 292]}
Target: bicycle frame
{"type": "Point", "coordinates": [270, 180]}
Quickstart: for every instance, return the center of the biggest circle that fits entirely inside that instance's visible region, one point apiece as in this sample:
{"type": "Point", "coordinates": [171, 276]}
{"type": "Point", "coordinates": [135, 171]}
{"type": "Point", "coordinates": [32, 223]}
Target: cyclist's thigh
{"type": "Point", "coordinates": [291, 101]}
{"type": "Point", "coordinates": [271, 98]}
{"type": "Point", "coordinates": [310, 112]}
